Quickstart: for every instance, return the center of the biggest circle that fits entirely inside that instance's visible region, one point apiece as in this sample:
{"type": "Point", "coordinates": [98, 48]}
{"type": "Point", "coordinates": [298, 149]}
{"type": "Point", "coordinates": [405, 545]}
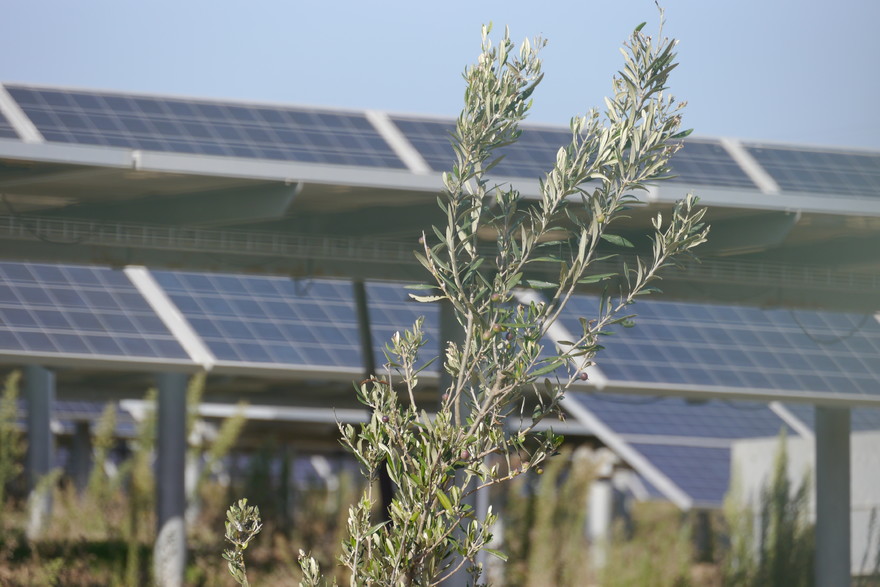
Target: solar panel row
{"type": "Point", "coordinates": [79, 311]}
{"type": "Point", "coordinates": [204, 127]}
{"type": "Point", "coordinates": [314, 135]}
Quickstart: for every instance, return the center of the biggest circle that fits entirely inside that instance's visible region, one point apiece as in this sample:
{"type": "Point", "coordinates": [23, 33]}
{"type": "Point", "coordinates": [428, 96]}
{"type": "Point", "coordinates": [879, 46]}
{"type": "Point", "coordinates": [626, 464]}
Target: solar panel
{"type": "Point", "coordinates": [688, 442]}
{"type": "Point", "coordinates": [823, 172]}
{"type": "Point", "coordinates": [672, 416]}
{"type": "Point", "coordinates": [6, 130]}
{"type": "Point", "coordinates": [532, 156]}
{"type": "Point", "coordinates": [702, 473]}
{"type": "Point", "coordinates": [272, 321]}
{"type": "Point", "coordinates": [203, 127]}
{"type": "Point", "coordinates": [741, 347]}
{"type": "Point", "coordinates": [704, 162]}
{"type": "Point", "coordinates": [67, 310]}
{"type": "Point", "coordinates": [392, 310]}
{"type": "Point", "coordinates": [69, 412]}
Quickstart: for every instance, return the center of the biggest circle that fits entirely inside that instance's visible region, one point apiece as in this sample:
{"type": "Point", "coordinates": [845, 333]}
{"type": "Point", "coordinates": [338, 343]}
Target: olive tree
{"type": "Point", "coordinates": [498, 371]}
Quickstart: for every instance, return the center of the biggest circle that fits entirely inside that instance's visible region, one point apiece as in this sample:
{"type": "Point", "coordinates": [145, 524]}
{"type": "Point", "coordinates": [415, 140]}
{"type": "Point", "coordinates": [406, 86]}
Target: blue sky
{"type": "Point", "coordinates": [779, 70]}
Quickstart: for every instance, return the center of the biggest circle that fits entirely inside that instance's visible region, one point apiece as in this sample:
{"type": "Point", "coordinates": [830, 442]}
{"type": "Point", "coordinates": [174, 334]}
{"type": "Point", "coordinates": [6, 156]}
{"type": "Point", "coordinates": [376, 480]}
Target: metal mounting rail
{"type": "Point", "coordinates": [67, 232]}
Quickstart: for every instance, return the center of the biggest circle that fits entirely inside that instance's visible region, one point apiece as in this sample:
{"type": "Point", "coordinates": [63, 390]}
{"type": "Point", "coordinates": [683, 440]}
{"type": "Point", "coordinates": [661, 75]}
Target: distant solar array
{"type": "Point", "coordinates": [205, 127]}
{"type": "Point", "coordinates": [326, 136]}
{"type": "Point", "coordinates": [67, 413]}
{"type": "Point", "coordinates": [823, 172]}
{"type": "Point", "coordinates": [706, 162]}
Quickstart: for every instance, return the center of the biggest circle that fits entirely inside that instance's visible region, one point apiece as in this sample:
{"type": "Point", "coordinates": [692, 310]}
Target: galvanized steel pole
{"type": "Point", "coordinates": [169, 552]}
{"type": "Point", "coordinates": [832, 497]}
{"type": "Point", "coordinates": [40, 394]}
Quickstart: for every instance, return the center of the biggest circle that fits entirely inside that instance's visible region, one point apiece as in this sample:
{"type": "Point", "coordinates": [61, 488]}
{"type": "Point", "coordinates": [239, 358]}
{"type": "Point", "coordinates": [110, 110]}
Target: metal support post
{"type": "Point", "coordinates": [832, 496]}
{"type": "Point", "coordinates": [40, 394]}
{"type": "Point", "coordinates": [169, 553]}
{"type": "Point", "coordinates": [386, 488]}
{"type": "Point", "coordinates": [81, 455]}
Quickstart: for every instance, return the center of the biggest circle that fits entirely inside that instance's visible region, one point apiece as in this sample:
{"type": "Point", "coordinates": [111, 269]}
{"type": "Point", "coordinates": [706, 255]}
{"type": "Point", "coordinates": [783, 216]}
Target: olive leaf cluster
{"type": "Point", "coordinates": [497, 244]}
{"type": "Point", "coordinates": [242, 525]}
{"type": "Point", "coordinates": [498, 372]}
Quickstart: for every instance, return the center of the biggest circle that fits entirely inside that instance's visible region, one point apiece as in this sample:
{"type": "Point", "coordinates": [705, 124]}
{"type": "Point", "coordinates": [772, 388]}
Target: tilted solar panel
{"type": "Point", "coordinates": [701, 162]}
{"type": "Point", "coordinates": [532, 156]}
{"type": "Point", "coordinates": [673, 416]}
{"type": "Point", "coordinates": [392, 310]}
{"type": "Point", "coordinates": [741, 347]}
{"type": "Point", "coordinates": [703, 473]}
{"type": "Point", "coordinates": [178, 125]}
{"type": "Point", "coordinates": [269, 320]}
{"type": "Point", "coordinates": [823, 172]}
{"type": "Point", "coordinates": [705, 162]}
{"type": "Point", "coordinates": [79, 311]}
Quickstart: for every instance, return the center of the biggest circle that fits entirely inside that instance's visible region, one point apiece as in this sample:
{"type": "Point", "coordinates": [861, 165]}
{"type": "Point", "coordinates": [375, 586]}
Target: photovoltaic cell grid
{"type": "Point", "coordinates": [71, 310]}
{"type": "Point", "coordinates": [703, 473]}
{"type": "Point", "coordinates": [392, 310]}
{"type": "Point", "coordinates": [205, 127]}
{"type": "Point", "coordinates": [69, 412]}
{"type": "Point", "coordinates": [6, 130]}
{"type": "Point", "coordinates": [700, 161]}
{"type": "Point", "coordinates": [686, 434]}
{"type": "Point", "coordinates": [704, 162]}
{"type": "Point", "coordinates": [740, 347]}
{"type": "Point", "coordinates": [532, 156]}
{"type": "Point", "coordinates": [824, 172]}
{"type": "Point", "coordinates": [269, 320]}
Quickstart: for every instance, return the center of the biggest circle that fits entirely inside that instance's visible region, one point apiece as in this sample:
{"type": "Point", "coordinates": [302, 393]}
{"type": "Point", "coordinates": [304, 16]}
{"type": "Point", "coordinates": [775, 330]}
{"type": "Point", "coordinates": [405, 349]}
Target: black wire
{"type": "Point", "coordinates": [745, 406]}
{"type": "Point", "coordinates": [835, 339]}
{"type": "Point", "coordinates": [16, 215]}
